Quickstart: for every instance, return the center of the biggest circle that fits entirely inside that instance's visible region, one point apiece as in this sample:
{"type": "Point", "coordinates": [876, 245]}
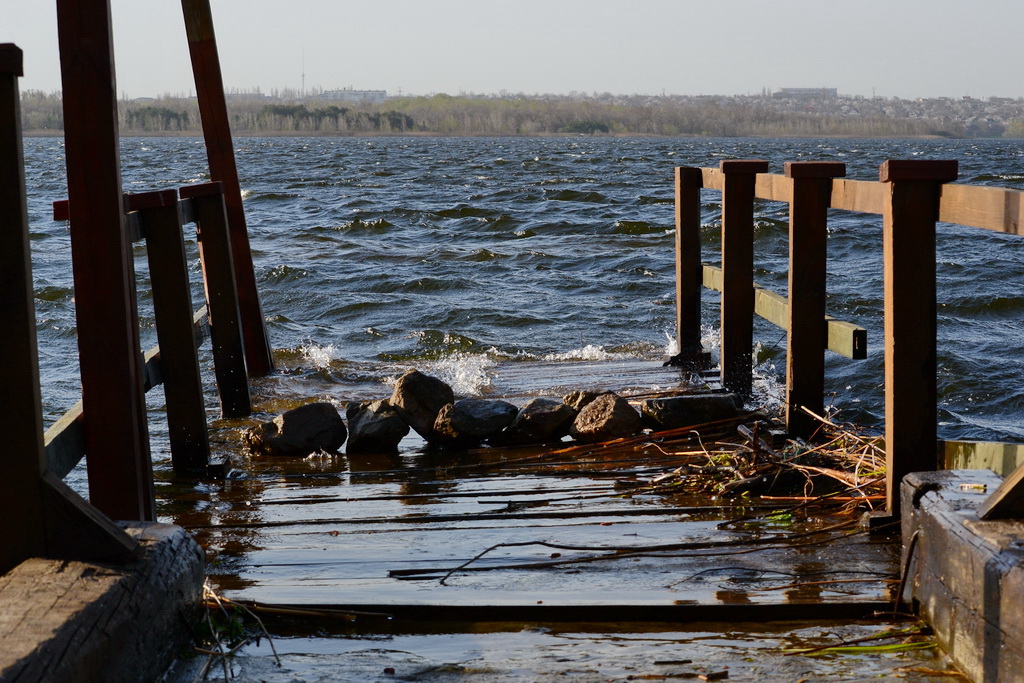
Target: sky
{"type": "Point", "coordinates": [888, 48]}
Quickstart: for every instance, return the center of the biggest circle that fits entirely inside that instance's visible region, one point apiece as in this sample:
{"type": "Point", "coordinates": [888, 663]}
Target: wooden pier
{"type": "Point", "coordinates": [564, 535]}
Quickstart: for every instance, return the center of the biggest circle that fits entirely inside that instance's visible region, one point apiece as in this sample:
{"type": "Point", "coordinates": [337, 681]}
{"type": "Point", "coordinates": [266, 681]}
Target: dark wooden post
{"type": "Point", "coordinates": [910, 212]}
{"type": "Point", "coordinates": [738, 273]}
{"type": "Point", "coordinates": [21, 422]}
{"type": "Point", "coordinates": [116, 434]}
{"type": "Point", "coordinates": [202, 46]}
{"type": "Point", "coordinates": [689, 275]}
{"type": "Point", "coordinates": [221, 297]}
{"type": "Point", "coordinates": [42, 517]}
{"type": "Point", "coordinates": [172, 306]}
{"type": "Point", "coordinates": [805, 352]}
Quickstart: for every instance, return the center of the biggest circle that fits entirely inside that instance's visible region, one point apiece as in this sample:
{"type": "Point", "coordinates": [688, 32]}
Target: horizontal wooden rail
{"type": "Point", "coordinates": [64, 441]}
{"type": "Point", "coordinates": [998, 209]}
{"type": "Point", "coordinates": [844, 338]}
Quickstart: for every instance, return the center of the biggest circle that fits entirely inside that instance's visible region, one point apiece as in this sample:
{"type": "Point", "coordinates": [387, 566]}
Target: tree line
{"type": "Point", "coordinates": [517, 115]}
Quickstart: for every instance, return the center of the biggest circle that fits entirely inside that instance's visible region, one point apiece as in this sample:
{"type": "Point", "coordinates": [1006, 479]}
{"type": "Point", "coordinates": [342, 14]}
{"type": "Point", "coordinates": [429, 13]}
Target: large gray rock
{"type": "Point", "coordinates": [605, 418]}
{"type": "Point", "coordinates": [374, 427]}
{"type": "Point", "coordinates": [469, 421]}
{"type": "Point", "coordinates": [540, 420]}
{"type": "Point", "coordinates": [418, 398]}
{"type": "Point", "coordinates": [299, 432]}
{"type": "Point", "coordinates": [689, 410]}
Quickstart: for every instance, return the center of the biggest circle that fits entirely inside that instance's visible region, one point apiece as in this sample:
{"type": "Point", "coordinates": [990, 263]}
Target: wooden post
{"type": "Point", "coordinates": [172, 306]}
{"type": "Point", "coordinates": [807, 339]}
{"type": "Point", "coordinates": [42, 517]}
{"type": "Point", "coordinates": [21, 422]}
{"type": "Point", "coordinates": [910, 212]}
{"type": "Point", "coordinates": [116, 434]}
{"type": "Point", "coordinates": [202, 46]}
{"type": "Point", "coordinates": [221, 297]}
{"type": "Point", "coordinates": [689, 275]}
{"type": "Point", "coordinates": [738, 273]}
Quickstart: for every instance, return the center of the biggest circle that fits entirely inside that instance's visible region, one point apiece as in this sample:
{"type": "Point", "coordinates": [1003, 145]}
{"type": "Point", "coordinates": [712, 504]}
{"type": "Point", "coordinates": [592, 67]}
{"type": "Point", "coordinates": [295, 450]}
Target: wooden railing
{"type": "Point", "coordinates": [43, 517]}
{"type": "Point", "coordinates": [911, 196]}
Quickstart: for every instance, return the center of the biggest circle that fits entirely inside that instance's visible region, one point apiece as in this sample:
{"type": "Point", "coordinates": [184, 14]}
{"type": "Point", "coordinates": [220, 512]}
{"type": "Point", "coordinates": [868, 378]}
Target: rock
{"type": "Point", "coordinates": [579, 399]}
{"type": "Point", "coordinates": [472, 420]}
{"type": "Point", "coordinates": [418, 398]}
{"type": "Point", "coordinates": [299, 432]}
{"type": "Point", "coordinates": [541, 419]}
{"type": "Point", "coordinates": [689, 410]}
{"type": "Point", "coordinates": [606, 417]}
{"type": "Point", "coordinates": [374, 427]}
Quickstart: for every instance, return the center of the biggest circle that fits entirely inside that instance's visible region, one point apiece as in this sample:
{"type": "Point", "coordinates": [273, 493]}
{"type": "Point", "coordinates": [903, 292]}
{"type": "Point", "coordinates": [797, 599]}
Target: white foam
{"type": "Point", "coordinates": [319, 356]}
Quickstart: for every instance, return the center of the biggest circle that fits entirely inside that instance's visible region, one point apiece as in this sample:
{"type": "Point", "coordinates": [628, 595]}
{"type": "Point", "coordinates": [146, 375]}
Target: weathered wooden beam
{"type": "Point", "coordinates": [215, 252]}
{"type": "Point", "coordinates": [1001, 458]}
{"type": "Point", "coordinates": [117, 441]}
{"type": "Point", "coordinates": [64, 441]}
{"type": "Point", "coordinates": [808, 237]}
{"type": "Point", "coordinates": [858, 195]}
{"type": "Point", "coordinates": [991, 208]}
{"type": "Point", "coordinates": [1007, 501]}
{"type": "Point", "coordinates": [688, 184]}
{"type": "Point", "coordinates": [172, 306]}
{"type": "Point", "coordinates": [967, 575]}
{"type": "Point", "coordinates": [911, 210]}
{"type": "Point", "coordinates": [738, 273]}
{"type": "Point", "coordinates": [844, 338]}
{"type": "Point", "coordinates": [220, 151]}
{"type": "Point", "coordinates": [21, 422]}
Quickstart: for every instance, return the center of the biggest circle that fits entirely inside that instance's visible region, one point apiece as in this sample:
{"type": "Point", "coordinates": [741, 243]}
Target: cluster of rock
{"type": "Point", "coordinates": [428, 406]}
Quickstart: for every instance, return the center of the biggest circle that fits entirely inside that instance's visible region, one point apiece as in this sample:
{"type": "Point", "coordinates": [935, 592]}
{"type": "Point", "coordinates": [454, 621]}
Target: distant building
{"type": "Point", "coordinates": [807, 93]}
{"type": "Point", "coordinates": [354, 96]}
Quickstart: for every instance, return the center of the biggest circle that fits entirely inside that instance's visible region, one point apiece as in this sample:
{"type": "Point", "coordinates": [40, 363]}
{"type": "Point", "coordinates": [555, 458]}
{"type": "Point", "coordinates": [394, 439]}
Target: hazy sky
{"type": "Point", "coordinates": [906, 48]}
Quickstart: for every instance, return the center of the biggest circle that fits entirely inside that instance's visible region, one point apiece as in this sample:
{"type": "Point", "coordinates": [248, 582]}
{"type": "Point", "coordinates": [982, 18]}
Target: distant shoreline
{"type": "Point", "coordinates": [424, 134]}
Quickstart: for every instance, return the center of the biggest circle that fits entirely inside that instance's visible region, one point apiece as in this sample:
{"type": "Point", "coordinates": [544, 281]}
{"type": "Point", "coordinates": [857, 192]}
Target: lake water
{"type": "Point", "coordinates": [459, 256]}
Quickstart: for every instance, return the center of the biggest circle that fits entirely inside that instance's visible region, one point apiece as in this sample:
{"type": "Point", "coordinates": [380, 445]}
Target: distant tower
{"type": "Point", "coordinates": [303, 93]}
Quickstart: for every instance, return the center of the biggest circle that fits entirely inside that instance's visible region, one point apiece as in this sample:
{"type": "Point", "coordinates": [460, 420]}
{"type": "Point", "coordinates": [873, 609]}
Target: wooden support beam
{"type": "Point", "coordinates": [738, 273]}
{"type": "Point", "coordinates": [42, 518]}
{"type": "Point", "coordinates": [117, 440]}
{"type": "Point", "coordinates": [844, 338]}
{"type": "Point", "coordinates": [688, 183]}
{"type": "Point", "coordinates": [172, 306]}
{"type": "Point", "coordinates": [910, 213]}
{"type": "Point", "coordinates": [808, 234]}
{"type": "Point", "coordinates": [215, 252]}
{"type": "Point", "coordinates": [21, 422]}
{"type": "Point", "coordinates": [220, 151]}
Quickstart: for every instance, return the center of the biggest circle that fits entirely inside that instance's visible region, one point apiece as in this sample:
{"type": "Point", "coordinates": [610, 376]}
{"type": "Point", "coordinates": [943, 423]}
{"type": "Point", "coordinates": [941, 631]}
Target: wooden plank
{"type": "Point", "coordinates": [120, 470]}
{"type": "Point", "coordinates": [688, 266]}
{"type": "Point", "coordinates": [858, 195]}
{"type": "Point", "coordinates": [1001, 458]}
{"type": "Point", "coordinates": [807, 338]}
{"type": "Point", "coordinates": [774, 187]}
{"type": "Point", "coordinates": [844, 338]}
{"type": "Point", "coordinates": [172, 305]}
{"type": "Point", "coordinates": [21, 422]}
{"type": "Point", "coordinates": [991, 208]}
{"type": "Point", "coordinates": [220, 152]}
{"type": "Point", "coordinates": [738, 273]}
{"type": "Point", "coordinates": [221, 297]}
{"type": "Point", "coordinates": [1007, 501]}
{"type": "Point", "coordinates": [712, 179]}
{"type": "Point", "coordinates": [911, 209]}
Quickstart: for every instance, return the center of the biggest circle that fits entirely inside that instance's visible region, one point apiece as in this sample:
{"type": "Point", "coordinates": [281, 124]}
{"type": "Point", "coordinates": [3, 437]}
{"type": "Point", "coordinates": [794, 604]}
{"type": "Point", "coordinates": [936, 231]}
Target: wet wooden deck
{"type": "Point", "coordinates": [500, 535]}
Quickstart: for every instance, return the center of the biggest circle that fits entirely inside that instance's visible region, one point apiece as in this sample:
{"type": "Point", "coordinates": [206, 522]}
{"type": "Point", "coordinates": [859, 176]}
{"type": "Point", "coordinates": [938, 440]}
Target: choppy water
{"type": "Point", "coordinates": [455, 255]}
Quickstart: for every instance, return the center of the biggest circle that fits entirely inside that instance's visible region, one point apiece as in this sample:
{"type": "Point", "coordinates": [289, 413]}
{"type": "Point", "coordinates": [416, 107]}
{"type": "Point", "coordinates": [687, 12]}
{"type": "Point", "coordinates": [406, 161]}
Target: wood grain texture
{"type": "Point", "coordinates": [77, 621]}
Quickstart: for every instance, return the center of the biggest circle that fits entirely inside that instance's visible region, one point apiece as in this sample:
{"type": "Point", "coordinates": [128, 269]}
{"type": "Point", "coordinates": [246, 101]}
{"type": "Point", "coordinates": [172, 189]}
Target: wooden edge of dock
{"type": "Point", "coordinates": [966, 575]}
{"type": "Point", "coordinates": [70, 621]}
